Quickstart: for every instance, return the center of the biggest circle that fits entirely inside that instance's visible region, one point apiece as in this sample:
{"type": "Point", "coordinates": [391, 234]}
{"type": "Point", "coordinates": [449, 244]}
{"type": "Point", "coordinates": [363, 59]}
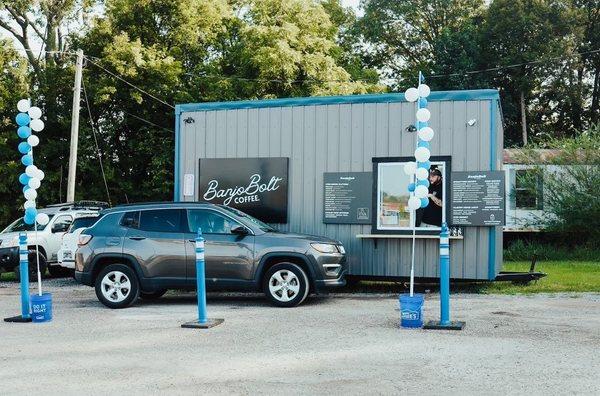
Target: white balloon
{"type": "Point", "coordinates": [30, 194]}
{"type": "Point", "coordinates": [411, 94]}
{"type": "Point", "coordinates": [422, 173]}
{"type": "Point", "coordinates": [421, 191]}
{"type": "Point", "coordinates": [34, 183]}
{"type": "Point", "coordinates": [30, 170]}
{"type": "Point", "coordinates": [410, 168]}
{"type": "Point", "coordinates": [414, 203]}
{"type": "Point", "coordinates": [424, 90]}
{"type": "Point", "coordinates": [29, 204]}
{"type": "Point", "coordinates": [23, 105]}
{"type": "Point", "coordinates": [39, 174]}
{"type": "Point", "coordinates": [36, 125]}
{"type": "Point", "coordinates": [42, 218]}
{"type": "Point", "coordinates": [422, 154]}
{"type": "Point", "coordinates": [33, 140]}
{"type": "Point", "coordinates": [426, 134]}
{"type": "Point", "coordinates": [423, 115]}
{"type": "Point", "coordinates": [34, 112]}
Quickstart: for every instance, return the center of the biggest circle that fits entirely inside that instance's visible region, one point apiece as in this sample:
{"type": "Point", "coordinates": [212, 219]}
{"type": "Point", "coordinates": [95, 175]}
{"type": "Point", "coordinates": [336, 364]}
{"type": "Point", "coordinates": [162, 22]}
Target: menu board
{"type": "Point", "coordinates": [477, 198]}
{"type": "Point", "coordinates": [347, 197]}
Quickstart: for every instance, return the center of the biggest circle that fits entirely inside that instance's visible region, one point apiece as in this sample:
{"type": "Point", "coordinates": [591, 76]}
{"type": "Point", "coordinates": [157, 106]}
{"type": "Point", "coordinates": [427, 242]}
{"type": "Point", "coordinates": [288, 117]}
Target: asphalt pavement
{"type": "Point", "coordinates": [341, 344]}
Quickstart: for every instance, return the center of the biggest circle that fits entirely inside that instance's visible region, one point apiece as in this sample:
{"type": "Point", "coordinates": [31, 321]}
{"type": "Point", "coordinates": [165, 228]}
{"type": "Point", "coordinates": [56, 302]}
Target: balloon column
{"type": "Point", "coordinates": [419, 170]}
{"type": "Point", "coordinates": [29, 122]}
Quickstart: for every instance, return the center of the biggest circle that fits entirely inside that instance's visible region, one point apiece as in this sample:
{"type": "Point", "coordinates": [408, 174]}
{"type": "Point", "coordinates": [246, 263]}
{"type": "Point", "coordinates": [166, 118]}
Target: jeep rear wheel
{"type": "Point", "coordinates": [117, 286]}
{"type": "Point", "coordinates": [286, 285]}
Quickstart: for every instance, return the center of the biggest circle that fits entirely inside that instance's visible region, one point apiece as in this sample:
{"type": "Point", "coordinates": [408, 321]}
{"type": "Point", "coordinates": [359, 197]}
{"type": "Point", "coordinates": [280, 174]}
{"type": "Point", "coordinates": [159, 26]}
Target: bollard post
{"type": "Point", "coordinates": [24, 272]}
{"type": "Point", "coordinates": [203, 321]}
{"type": "Point", "coordinates": [444, 323]}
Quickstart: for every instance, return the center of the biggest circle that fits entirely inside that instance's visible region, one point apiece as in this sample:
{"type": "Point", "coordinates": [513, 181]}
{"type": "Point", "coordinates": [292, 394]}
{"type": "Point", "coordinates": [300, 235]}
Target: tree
{"type": "Point", "coordinates": [401, 36]}
{"type": "Point", "coordinates": [518, 32]}
{"type": "Point", "coordinates": [13, 86]}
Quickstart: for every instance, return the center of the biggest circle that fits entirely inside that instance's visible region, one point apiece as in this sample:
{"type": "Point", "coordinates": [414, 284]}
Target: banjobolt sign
{"type": "Point", "coordinates": [257, 186]}
{"type": "Point", "coordinates": [478, 198]}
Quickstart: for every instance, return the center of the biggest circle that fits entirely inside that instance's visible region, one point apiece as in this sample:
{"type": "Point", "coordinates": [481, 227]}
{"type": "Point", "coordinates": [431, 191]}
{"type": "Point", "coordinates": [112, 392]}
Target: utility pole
{"type": "Point", "coordinates": [74, 128]}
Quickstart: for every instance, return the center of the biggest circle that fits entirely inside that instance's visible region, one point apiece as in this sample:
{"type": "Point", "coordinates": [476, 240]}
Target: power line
{"type": "Point", "coordinates": [148, 122]}
{"type": "Point", "coordinates": [513, 65]}
{"type": "Point", "coordinates": [128, 83]}
{"type": "Point", "coordinates": [87, 103]}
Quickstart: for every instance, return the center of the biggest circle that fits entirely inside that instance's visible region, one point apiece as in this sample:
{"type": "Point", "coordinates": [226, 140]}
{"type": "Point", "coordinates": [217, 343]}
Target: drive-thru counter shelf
{"type": "Point", "coordinates": [376, 237]}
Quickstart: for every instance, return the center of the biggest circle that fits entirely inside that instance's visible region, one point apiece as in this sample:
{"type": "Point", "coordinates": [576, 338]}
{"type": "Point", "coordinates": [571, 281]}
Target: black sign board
{"type": "Point", "coordinates": [347, 197]}
{"type": "Point", "coordinates": [478, 198]}
{"type": "Point", "coordinates": [257, 186]}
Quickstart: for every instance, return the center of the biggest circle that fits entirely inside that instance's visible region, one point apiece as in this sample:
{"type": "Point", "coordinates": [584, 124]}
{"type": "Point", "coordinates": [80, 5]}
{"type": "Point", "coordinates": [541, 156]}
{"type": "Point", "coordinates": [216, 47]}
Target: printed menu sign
{"type": "Point", "coordinates": [478, 198]}
{"type": "Point", "coordinates": [347, 197]}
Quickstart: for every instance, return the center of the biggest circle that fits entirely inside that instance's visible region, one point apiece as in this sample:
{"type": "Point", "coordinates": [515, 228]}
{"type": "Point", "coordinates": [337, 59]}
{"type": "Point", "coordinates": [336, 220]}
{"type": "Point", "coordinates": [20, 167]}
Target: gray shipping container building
{"type": "Point", "coordinates": [344, 134]}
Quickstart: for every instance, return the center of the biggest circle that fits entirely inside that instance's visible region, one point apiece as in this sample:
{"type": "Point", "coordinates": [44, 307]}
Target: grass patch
{"type": "Point", "coordinates": [563, 276]}
{"type": "Point", "coordinates": [521, 250]}
{"type": "Point", "coordinates": [7, 276]}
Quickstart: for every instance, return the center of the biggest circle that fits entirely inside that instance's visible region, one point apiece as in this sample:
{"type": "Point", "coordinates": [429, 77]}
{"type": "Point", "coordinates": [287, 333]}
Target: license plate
{"type": "Point", "coordinates": [68, 255]}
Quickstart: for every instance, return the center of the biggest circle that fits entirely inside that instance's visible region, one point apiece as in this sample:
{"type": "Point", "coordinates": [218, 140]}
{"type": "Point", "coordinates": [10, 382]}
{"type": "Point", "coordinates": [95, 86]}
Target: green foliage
{"type": "Point", "coordinates": [521, 250]}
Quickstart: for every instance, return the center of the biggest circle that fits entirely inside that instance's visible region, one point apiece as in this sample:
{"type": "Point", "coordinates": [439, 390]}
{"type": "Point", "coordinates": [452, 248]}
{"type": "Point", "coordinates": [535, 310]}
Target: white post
{"type": "Point", "coordinates": [74, 128]}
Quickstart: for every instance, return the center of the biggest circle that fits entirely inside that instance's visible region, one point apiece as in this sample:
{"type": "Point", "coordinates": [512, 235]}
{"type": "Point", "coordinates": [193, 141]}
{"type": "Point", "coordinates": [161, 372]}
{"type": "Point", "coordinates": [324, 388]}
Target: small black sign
{"type": "Point", "coordinates": [257, 186]}
{"type": "Point", "coordinates": [347, 197]}
{"type": "Point", "coordinates": [478, 198]}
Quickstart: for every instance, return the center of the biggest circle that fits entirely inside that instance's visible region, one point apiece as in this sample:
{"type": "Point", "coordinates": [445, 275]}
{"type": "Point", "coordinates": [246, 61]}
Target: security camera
{"type": "Point", "coordinates": [472, 122]}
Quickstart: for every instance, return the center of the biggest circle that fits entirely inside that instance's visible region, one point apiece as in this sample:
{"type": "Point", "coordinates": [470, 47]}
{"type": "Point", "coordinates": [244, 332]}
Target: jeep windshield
{"type": "Point", "coordinates": [263, 226]}
{"type": "Point", "coordinates": [19, 225]}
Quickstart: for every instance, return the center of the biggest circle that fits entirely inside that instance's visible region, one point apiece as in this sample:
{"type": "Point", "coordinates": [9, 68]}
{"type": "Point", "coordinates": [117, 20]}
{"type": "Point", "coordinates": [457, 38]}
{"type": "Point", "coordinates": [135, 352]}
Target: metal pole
{"type": "Point", "coordinates": [200, 278]}
{"type": "Point", "coordinates": [24, 271]}
{"type": "Point", "coordinates": [74, 128]}
{"type": "Point", "coordinates": [444, 276]}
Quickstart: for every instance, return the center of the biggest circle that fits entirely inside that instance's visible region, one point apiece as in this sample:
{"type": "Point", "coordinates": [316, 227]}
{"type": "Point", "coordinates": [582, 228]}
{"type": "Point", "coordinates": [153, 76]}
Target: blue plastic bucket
{"type": "Point", "coordinates": [411, 310]}
{"type": "Point", "coordinates": [41, 308]}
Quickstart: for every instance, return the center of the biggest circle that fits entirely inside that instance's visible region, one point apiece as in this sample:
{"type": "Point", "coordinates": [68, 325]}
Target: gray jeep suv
{"type": "Point", "coordinates": [144, 249]}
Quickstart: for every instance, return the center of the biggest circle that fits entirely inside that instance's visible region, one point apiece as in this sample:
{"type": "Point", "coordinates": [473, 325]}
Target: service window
{"type": "Point", "coordinates": [209, 221]}
{"type": "Point", "coordinates": [391, 195]}
{"type": "Point", "coordinates": [161, 220]}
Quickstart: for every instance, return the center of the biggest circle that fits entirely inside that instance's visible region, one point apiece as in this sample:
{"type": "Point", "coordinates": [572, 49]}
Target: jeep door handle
{"type": "Point", "coordinates": [137, 238]}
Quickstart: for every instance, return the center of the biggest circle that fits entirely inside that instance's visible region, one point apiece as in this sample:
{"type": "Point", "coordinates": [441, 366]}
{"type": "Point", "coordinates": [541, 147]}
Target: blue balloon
{"type": "Point", "coordinates": [27, 160]}
{"type": "Point", "coordinates": [425, 165]}
{"type": "Point", "coordinates": [24, 147]}
{"type": "Point", "coordinates": [29, 220]}
{"type": "Point", "coordinates": [26, 187]}
{"type": "Point", "coordinates": [24, 179]}
{"type": "Point", "coordinates": [24, 132]}
{"type": "Point", "coordinates": [411, 187]}
{"type": "Point", "coordinates": [31, 212]}
{"type": "Point", "coordinates": [422, 103]}
{"type": "Point", "coordinates": [423, 143]}
{"type": "Point", "coordinates": [424, 202]}
{"type": "Point", "coordinates": [22, 119]}
{"type": "Point", "coordinates": [423, 183]}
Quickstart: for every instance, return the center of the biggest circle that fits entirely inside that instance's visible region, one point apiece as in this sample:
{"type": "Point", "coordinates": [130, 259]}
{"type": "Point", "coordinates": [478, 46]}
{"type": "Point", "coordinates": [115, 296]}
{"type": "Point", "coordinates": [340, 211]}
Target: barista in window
{"type": "Point", "coordinates": [431, 215]}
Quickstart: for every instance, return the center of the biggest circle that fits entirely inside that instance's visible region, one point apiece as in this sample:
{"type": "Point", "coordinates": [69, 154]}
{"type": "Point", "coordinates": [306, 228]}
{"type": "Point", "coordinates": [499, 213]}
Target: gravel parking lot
{"type": "Point", "coordinates": [341, 344]}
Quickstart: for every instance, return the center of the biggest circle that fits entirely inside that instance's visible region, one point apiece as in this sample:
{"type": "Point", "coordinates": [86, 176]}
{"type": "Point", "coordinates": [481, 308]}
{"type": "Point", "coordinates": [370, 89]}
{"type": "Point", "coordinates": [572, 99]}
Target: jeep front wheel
{"type": "Point", "coordinates": [117, 286]}
{"type": "Point", "coordinates": [286, 285]}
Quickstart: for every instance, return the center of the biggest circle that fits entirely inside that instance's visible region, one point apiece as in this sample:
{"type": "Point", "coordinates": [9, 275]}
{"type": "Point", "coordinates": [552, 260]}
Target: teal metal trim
{"type": "Point", "coordinates": [478, 94]}
{"type": "Point", "coordinates": [492, 230]}
{"type": "Point", "coordinates": [176, 174]}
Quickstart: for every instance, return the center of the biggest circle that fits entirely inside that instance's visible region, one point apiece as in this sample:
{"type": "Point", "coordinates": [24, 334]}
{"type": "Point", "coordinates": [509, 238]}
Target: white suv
{"type": "Point", "coordinates": [49, 237]}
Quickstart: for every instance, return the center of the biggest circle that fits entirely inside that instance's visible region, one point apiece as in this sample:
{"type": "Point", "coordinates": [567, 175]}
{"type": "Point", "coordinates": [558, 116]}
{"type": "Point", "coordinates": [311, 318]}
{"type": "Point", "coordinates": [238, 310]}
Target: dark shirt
{"type": "Point", "coordinates": [432, 214]}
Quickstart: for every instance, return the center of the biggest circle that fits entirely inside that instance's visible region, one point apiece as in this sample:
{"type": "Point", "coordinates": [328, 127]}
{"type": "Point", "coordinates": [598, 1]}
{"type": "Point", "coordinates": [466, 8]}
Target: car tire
{"type": "Point", "coordinates": [32, 259]}
{"type": "Point", "coordinates": [117, 286]}
{"type": "Point", "coordinates": [152, 295]}
{"type": "Point", "coordinates": [286, 285]}
{"type": "Point", "coordinates": [56, 271]}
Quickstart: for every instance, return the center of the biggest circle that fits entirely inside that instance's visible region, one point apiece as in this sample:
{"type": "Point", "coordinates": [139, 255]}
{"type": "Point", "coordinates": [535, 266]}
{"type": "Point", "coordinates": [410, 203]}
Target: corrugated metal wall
{"type": "Point", "coordinates": [345, 137]}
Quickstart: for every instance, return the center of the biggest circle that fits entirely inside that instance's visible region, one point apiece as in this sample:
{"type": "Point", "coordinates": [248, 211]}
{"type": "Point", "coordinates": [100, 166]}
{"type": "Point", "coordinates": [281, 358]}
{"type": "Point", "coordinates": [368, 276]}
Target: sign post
{"type": "Point", "coordinates": [444, 323]}
{"type": "Point", "coordinates": [203, 321]}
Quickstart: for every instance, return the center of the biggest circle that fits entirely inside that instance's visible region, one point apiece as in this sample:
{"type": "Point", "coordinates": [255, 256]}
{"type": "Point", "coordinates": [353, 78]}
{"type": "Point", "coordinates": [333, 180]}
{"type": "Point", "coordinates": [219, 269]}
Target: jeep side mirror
{"type": "Point", "coordinates": [239, 230]}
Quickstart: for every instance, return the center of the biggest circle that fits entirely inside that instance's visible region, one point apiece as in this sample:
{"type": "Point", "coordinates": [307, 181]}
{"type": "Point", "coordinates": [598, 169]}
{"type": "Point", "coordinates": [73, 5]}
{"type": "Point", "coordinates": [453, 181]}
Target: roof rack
{"type": "Point", "coordinates": [159, 203]}
{"type": "Point", "coordinates": [95, 205]}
